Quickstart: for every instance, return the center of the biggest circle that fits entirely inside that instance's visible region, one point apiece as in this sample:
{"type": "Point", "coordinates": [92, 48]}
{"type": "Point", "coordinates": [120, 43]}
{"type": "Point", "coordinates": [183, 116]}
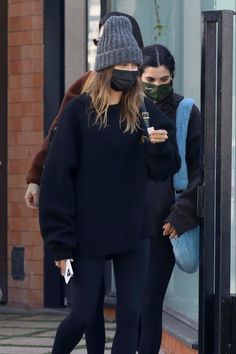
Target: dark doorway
{"type": "Point", "coordinates": [53, 94]}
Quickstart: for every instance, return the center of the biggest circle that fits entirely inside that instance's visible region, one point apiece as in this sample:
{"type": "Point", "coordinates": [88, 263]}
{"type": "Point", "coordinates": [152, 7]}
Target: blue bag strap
{"type": "Point", "coordinates": [180, 180]}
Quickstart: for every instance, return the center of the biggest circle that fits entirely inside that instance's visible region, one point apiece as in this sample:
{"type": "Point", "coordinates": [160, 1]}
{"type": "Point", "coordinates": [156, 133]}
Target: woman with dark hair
{"type": "Point", "coordinates": [170, 217]}
{"type": "Point", "coordinates": [92, 203]}
{"type": "Point", "coordinates": [135, 27]}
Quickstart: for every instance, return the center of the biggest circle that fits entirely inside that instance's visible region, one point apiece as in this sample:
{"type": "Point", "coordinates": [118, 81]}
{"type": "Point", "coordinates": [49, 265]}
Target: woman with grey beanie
{"type": "Point", "coordinates": [95, 334]}
{"type": "Point", "coordinates": [92, 199]}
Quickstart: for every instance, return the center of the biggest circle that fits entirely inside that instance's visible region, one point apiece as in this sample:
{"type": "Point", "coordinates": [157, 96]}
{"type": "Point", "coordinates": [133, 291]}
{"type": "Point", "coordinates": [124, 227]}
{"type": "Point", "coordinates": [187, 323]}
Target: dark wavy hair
{"type": "Point", "coordinates": [156, 55]}
{"type": "Point", "coordinates": [135, 27]}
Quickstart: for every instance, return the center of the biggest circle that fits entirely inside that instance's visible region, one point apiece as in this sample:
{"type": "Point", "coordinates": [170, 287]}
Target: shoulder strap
{"type": "Point", "coordinates": [183, 112]}
{"type": "Point", "coordinates": [145, 114]}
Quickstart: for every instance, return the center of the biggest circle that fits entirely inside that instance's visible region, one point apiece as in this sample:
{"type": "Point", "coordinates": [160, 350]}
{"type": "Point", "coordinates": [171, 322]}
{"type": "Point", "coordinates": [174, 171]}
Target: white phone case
{"type": "Point", "coordinates": [68, 272]}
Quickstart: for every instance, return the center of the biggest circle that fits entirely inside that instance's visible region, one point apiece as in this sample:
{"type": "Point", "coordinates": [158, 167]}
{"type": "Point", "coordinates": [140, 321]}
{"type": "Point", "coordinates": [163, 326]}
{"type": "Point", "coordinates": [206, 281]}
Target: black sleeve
{"type": "Point", "coordinates": [162, 158]}
{"type": "Point", "coordinates": [183, 214]}
{"type": "Point", "coordinates": [57, 192]}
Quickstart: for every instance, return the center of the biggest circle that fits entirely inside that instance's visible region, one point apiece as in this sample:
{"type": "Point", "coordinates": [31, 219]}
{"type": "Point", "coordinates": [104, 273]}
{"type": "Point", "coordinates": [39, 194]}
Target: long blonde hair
{"type": "Point", "coordinates": [99, 90]}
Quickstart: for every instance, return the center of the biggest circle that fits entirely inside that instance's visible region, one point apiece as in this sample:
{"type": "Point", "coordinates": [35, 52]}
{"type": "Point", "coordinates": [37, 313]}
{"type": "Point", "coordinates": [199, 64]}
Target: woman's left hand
{"type": "Point", "coordinates": [158, 136]}
{"type": "Point", "coordinates": [169, 230]}
{"type": "Point", "coordinates": [62, 265]}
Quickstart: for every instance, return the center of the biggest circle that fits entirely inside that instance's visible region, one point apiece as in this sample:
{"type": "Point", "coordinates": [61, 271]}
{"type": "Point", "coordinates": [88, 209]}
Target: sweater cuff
{"type": "Point", "coordinates": [159, 149]}
{"type": "Point", "coordinates": [61, 254]}
{"type": "Point", "coordinates": [179, 224]}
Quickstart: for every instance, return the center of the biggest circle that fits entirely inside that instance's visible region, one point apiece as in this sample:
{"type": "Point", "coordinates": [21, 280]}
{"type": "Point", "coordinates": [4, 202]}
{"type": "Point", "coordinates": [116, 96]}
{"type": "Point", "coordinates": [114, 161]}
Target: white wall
{"type": "Point", "coordinates": [75, 40]}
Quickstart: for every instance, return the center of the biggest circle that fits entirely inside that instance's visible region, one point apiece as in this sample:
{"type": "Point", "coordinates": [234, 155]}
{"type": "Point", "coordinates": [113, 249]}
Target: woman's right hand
{"type": "Point", "coordinates": [32, 196]}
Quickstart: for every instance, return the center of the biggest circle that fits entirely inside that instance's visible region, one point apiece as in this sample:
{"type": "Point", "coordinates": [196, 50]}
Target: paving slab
{"type": "Point", "coordinates": [28, 324]}
{"type": "Point", "coordinates": [8, 317]}
{"type": "Point", "coordinates": [25, 350]}
{"type": "Point", "coordinates": [44, 317]}
{"type": "Point", "coordinates": [46, 334]}
{"type": "Point", "coordinates": [33, 332]}
{"type": "Point", "coordinates": [16, 331]}
{"type": "Point", "coordinates": [28, 341]}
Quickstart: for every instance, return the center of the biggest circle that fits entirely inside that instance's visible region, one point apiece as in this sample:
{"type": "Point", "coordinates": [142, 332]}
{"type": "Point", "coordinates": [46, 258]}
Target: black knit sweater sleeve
{"type": "Point", "coordinates": [183, 214]}
{"type": "Point", "coordinates": [167, 152]}
{"type": "Point", "coordinates": [57, 193]}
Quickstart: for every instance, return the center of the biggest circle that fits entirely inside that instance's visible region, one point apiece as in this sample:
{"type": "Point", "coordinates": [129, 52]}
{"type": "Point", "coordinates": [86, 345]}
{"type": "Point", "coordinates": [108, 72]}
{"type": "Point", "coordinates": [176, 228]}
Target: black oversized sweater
{"type": "Point", "coordinates": [93, 189]}
{"type": "Point", "coordinates": [182, 214]}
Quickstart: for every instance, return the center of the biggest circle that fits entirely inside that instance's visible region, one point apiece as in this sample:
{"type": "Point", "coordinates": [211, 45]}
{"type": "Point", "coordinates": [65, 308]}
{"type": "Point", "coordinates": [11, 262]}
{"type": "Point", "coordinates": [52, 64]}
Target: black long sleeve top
{"type": "Point", "coordinates": [93, 189]}
{"type": "Point", "coordinates": [182, 214]}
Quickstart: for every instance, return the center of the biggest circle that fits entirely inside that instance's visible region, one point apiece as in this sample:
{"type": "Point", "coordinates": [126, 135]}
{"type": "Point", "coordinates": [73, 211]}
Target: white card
{"type": "Point", "coordinates": [150, 130]}
{"type": "Point", "coordinates": [68, 271]}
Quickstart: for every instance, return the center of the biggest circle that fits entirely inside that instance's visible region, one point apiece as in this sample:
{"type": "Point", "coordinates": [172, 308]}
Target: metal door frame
{"type": "Point", "coordinates": [216, 107]}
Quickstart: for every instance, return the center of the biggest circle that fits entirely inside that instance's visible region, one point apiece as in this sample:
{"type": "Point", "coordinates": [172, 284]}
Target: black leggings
{"type": "Point", "coordinates": [95, 334]}
{"type": "Point", "coordinates": [161, 264]}
{"type": "Point", "coordinates": [130, 270]}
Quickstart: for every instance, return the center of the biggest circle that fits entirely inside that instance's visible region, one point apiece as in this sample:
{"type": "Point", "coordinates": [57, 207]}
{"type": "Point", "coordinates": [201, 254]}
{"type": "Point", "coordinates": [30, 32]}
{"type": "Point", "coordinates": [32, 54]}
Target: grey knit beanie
{"type": "Point", "coordinates": [117, 44]}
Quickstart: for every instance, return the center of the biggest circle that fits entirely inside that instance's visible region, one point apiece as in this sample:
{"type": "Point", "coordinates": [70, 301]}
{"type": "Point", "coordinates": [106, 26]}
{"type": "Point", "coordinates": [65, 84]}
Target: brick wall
{"type": "Point", "coordinates": [25, 126]}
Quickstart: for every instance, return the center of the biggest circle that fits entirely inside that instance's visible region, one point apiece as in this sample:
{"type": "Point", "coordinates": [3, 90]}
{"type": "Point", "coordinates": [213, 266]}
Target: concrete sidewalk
{"type": "Point", "coordinates": [33, 331]}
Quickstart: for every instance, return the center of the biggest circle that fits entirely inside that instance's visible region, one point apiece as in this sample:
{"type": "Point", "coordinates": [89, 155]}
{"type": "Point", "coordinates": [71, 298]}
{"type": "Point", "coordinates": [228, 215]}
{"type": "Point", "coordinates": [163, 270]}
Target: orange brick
{"type": "Point", "coordinates": [37, 37]}
{"type": "Point", "coordinates": [34, 253]}
{"type": "Point", "coordinates": [20, 38]}
{"type": "Point", "coordinates": [37, 22]}
{"type": "Point", "coordinates": [30, 138]}
{"type": "Point", "coordinates": [20, 66]}
{"type": "Point", "coordinates": [22, 152]}
{"type": "Point", "coordinates": [18, 295]}
{"type": "Point", "coordinates": [34, 267]}
{"type": "Point", "coordinates": [25, 138]}
{"type": "Point", "coordinates": [38, 8]}
{"type": "Point", "coordinates": [14, 95]}
{"type": "Point", "coordinates": [14, 81]}
{"type": "Point", "coordinates": [36, 298]}
{"type": "Point", "coordinates": [36, 283]}
{"type": "Point", "coordinates": [15, 194]}
{"type": "Point", "coordinates": [173, 346]}
{"type": "Point", "coordinates": [23, 224]}
{"type": "Point", "coordinates": [25, 95]}
{"type": "Point", "coordinates": [16, 181]}
{"type": "Point", "coordinates": [20, 23]}
{"type": "Point", "coordinates": [32, 94]}
{"type": "Point", "coordinates": [14, 123]}
{"type": "Point", "coordinates": [14, 237]}
{"type": "Point", "coordinates": [32, 80]}
{"type": "Point", "coordinates": [22, 8]}
{"type": "Point", "coordinates": [37, 65]}
{"type": "Point", "coordinates": [38, 109]}
{"type": "Point", "coordinates": [30, 238]}
{"type": "Point", "coordinates": [15, 167]}
{"type": "Point", "coordinates": [21, 109]}
{"type": "Point", "coordinates": [25, 238]}
{"type": "Point", "coordinates": [12, 138]}
{"type": "Point", "coordinates": [14, 53]}
{"type": "Point", "coordinates": [32, 282]}
{"type": "Point", "coordinates": [16, 209]}
{"type": "Point", "coordinates": [37, 51]}
{"type": "Point", "coordinates": [19, 152]}
{"type": "Point", "coordinates": [34, 123]}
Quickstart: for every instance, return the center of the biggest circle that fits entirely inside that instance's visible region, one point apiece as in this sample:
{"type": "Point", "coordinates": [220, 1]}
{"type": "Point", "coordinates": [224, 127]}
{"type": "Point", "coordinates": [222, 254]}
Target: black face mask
{"type": "Point", "coordinates": [123, 80]}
